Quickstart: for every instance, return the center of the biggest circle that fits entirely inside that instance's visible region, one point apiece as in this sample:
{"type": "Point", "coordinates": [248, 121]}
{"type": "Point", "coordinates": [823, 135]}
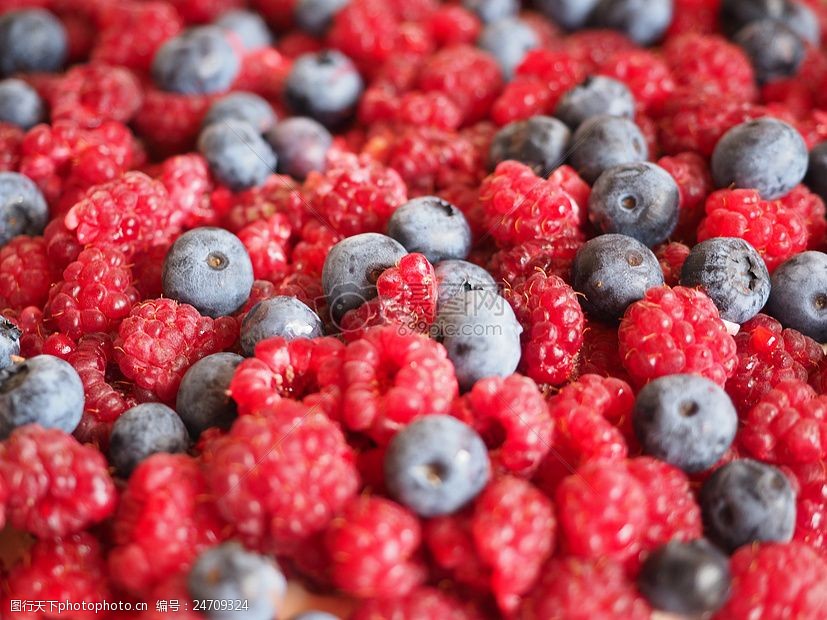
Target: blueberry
{"type": "Point", "coordinates": [611, 272]}
{"type": "Point", "coordinates": [596, 96]}
{"type": "Point", "coordinates": [640, 200]}
{"type": "Point", "coordinates": [203, 400]}
{"type": "Point", "coordinates": [508, 40]}
{"type": "Point", "coordinates": [325, 86]}
{"type": "Point", "coordinates": [686, 420]}
{"type": "Point", "coordinates": [20, 104]}
{"type": "Point", "coordinates": [23, 209]}
{"type": "Point", "coordinates": [492, 10]}
{"type": "Point", "coordinates": [457, 276]}
{"type": "Point", "coordinates": [9, 342]}
{"type": "Point", "coordinates": [351, 268]}
{"type": "Point", "coordinates": [241, 106]}
{"type": "Point", "coordinates": [688, 578]}
{"type": "Point", "coordinates": [142, 431]}
{"type": "Point", "coordinates": [570, 14]}
{"type": "Point", "coordinates": [315, 16]}
{"type": "Point", "coordinates": [481, 334]}
{"type": "Point", "coordinates": [803, 21]}
{"type": "Point", "coordinates": [643, 21]}
{"type": "Point", "coordinates": [798, 297]}
{"type": "Point", "coordinates": [433, 227]}
{"type": "Point", "coordinates": [208, 268]}
{"type": "Point", "coordinates": [436, 465]}
{"type": "Point", "coordinates": [539, 142]}
{"type": "Point", "coordinates": [237, 154]}
{"type": "Point", "coordinates": [301, 145]}
{"type": "Point", "coordinates": [31, 40]}
{"type": "Point", "coordinates": [746, 501]}
{"type": "Point", "coordinates": [605, 141]}
{"type": "Point", "coordinates": [817, 170]}
{"type": "Point", "coordinates": [282, 316]}
{"type": "Point", "coordinates": [775, 51]}
{"type": "Point", "coordinates": [248, 26]}
{"type": "Point", "coordinates": [231, 573]}
{"type": "Point", "coordinates": [732, 274]}
{"type": "Point", "coordinates": [199, 61]}
{"type": "Point", "coordinates": [766, 154]}
{"type": "Point", "coordinates": [42, 390]}
{"type": "Point", "coordinates": [735, 14]}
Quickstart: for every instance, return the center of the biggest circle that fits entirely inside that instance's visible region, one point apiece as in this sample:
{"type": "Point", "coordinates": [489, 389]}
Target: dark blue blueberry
{"type": "Point", "coordinates": [286, 317]}
{"type": "Point", "coordinates": [481, 334]}
{"type": "Point", "coordinates": [325, 86]}
{"type": "Point", "coordinates": [766, 154]}
{"type": "Point", "coordinates": [23, 209]}
{"type": "Point", "coordinates": [803, 21]}
{"type": "Point", "coordinates": [352, 267]}
{"type": "Point", "coordinates": [597, 96]}
{"type": "Point", "coordinates": [570, 14]}
{"type": "Point", "coordinates": [301, 145]}
{"type": "Point", "coordinates": [817, 170]}
{"type": "Point", "coordinates": [492, 10]}
{"type": "Point", "coordinates": [241, 106]}
{"type": "Point", "coordinates": [315, 16]}
{"type": "Point", "coordinates": [248, 26]}
{"type": "Point", "coordinates": [203, 400]}
{"type": "Point", "coordinates": [605, 141]}
{"type": "Point", "coordinates": [436, 465]}
{"type": "Point", "coordinates": [775, 51]}
{"type": "Point", "coordinates": [746, 501]}
{"type": "Point", "coordinates": [457, 276]}
{"type": "Point", "coordinates": [433, 227]}
{"type": "Point", "coordinates": [199, 61]}
{"type": "Point", "coordinates": [798, 297]}
{"type": "Point", "coordinates": [208, 268]}
{"type": "Point", "coordinates": [31, 40]}
{"type": "Point", "coordinates": [732, 274]}
{"type": "Point", "coordinates": [20, 104]}
{"type": "Point", "coordinates": [611, 272]}
{"type": "Point", "coordinates": [735, 14]}
{"type": "Point", "coordinates": [686, 420]}
{"type": "Point", "coordinates": [237, 154]}
{"type": "Point", "coordinates": [42, 390]}
{"type": "Point", "coordinates": [508, 40]}
{"type": "Point", "coordinates": [229, 572]}
{"type": "Point", "coordinates": [643, 21]}
{"type": "Point", "coordinates": [9, 342]}
{"type": "Point", "coordinates": [142, 431]}
{"type": "Point", "coordinates": [539, 142]}
{"type": "Point", "coordinates": [639, 200]}
{"type": "Point", "coordinates": [687, 578]}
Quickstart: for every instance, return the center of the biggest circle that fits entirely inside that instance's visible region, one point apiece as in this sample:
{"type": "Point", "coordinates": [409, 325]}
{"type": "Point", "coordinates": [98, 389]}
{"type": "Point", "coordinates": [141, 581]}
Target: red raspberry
{"type": "Point", "coordinates": [307, 288]}
{"type": "Point", "coordinates": [599, 354]}
{"type": "Point", "coordinates": [498, 544]}
{"type": "Point", "coordinates": [170, 122]}
{"type": "Point", "coordinates": [56, 486]}
{"type": "Point", "coordinates": [671, 257]}
{"type": "Point", "coordinates": [646, 75]}
{"type": "Point", "coordinates": [267, 243]}
{"type": "Point", "coordinates": [420, 604]}
{"type": "Point", "coordinates": [694, 16]}
{"type": "Point", "coordinates": [25, 276]}
{"type": "Point", "coordinates": [512, 417]}
{"type": "Point", "coordinates": [675, 330]}
{"type": "Point", "coordinates": [390, 378]}
{"type": "Point", "coordinates": [311, 250]}
{"type": "Point", "coordinates": [372, 543]}
{"type": "Point", "coordinates": [11, 137]}
{"type": "Point", "coordinates": [187, 181]}
{"type": "Point", "coordinates": [429, 110]}
{"type": "Point", "coordinates": [263, 72]}
{"type": "Point", "coordinates": [203, 11]}
{"type": "Point", "coordinates": [809, 206]}
{"type": "Point", "coordinates": [454, 25]}
{"type": "Point", "coordinates": [281, 476]}
{"type": "Point", "coordinates": [581, 589]}
{"type": "Point", "coordinates": [553, 324]}
{"type": "Point", "coordinates": [776, 581]}
{"type": "Point", "coordinates": [294, 44]}
{"type": "Point", "coordinates": [550, 256]}
{"type": "Point", "coordinates": [92, 94]}
{"type": "Point", "coordinates": [148, 267]}
{"type": "Point", "coordinates": [811, 505]}
{"type": "Point", "coordinates": [30, 322]}
{"type": "Point", "coordinates": [691, 173]}
{"type": "Point", "coordinates": [278, 194]}
{"type": "Point", "coordinates": [407, 292]}
{"type": "Point", "coordinates": [95, 295]}
{"type": "Point", "coordinates": [776, 231]}
{"type": "Point", "coordinates": [367, 31]}
{"type": "Point", "coordinates": [592, 48]}
{"type": "Point", "coordinates": [165, 519]}
{"type": "Point", "coordinates": [278, 12]}
{"type": "Point", "coordinates": [161, 339]}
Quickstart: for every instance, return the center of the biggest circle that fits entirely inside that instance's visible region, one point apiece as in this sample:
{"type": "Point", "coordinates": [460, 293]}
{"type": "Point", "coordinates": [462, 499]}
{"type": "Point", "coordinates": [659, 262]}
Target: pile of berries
{"type": "Point", "coordinates": [473, 310]}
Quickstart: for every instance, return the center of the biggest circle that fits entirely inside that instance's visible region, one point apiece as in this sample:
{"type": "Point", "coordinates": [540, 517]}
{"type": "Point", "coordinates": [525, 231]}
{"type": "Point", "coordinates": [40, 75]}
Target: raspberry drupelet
{"type": "Point", "coordinates": [25, 273]}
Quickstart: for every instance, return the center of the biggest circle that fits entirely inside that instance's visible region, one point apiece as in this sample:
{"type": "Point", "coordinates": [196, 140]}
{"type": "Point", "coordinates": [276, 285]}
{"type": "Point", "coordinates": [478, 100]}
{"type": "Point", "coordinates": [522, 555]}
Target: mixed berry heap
{"type": "Point", "coordinates": [469, 310]}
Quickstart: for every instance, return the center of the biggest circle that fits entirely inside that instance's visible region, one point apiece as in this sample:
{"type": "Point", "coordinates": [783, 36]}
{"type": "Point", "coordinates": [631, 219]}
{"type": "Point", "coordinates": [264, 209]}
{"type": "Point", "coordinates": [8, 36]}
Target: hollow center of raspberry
{"type": "Point", "coordinates": [628, 202]}
{"type": "Point", "coordinates": [689, 408]}
{"type": "Point", "coordinates": [217, 261]}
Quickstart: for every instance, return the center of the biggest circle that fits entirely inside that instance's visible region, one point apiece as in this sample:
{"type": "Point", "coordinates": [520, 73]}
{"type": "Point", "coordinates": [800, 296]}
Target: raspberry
{"type": "Point", "coordinates": [92, 94]}
{"type": "Point", "coordinates": [187, 181]}
{"type": "Point", "coordinates": [366, 31]}
{"type": "Point", "coordinates": [454, 25]}
{"type": "Point", "coordinates": [390, 378]}
{"type": "Point", "coordinates": [56, 486]}
{"type": "Point", "coordinates": [775, 581]}
{"type": "Point", "coordinates": [646, 75]}
{"type": "Point", "coordinates": [512, 417]}
{"type": "Point", "coordinates": [592, 48]}
{"type": "Point", "coordinates": [599, 354]}
{"type": "Point", "coordinates": [811, 505]}
{"type": "Point", "coordinates": [281, 476]}
{"type": "Point", "coordinates": [278, 12]}
{"type": "Point", "coordinates": [421, 603]}
{"type": "Point", "coordinates": [550, 256]}
{"type": "Point", "coordinates": [204, 11]}
{"type": "Point", "coordinates": [691, 173]}
{"type": "Point", "coordinates": [581, 589]}
{"type": "Point", "coordinates": [407, 292]}
{"type": "Point", "coordinates": [694, 16]}
{"type": "Point", "coordinates": [811, 207]}
{"type": "Point", "coordinates": [165, 518]}
{"type": "Point", "coordinates": [675, 330]}
{"type": "Point", "coordinates": [11, 137]}
{"type": "Point", "coordinates": [161, 339]}
{"type": "Point", "coordinates": [520, 206]}
{"type": "Point", "coordinates": [311, 250]}
{"type": "Point", "coordinates": [267, 244]}
{"type": "Point", "coordinates": [422, 109]}
{"type": "Point", "coordinates": [671, 257]}
{"type": "Point", "coordinates": [553, 324]}
{"type": "Point", "coordinates": [307, 288]}
{"type": "Point", "coordinates": [278, 194]}
{"type": "Point", "coordinates": [372, 543]}
{"type": "Point", "coordinates": [25, 275]}
{"type": "Point", "coordinates": [776, 231]}
{"type": "Point", "coordinates": [95, 295]}
{"type": "Point", "coordinates": [147, 269]}
{"type": "Point", "coordinates": [170, 122]}
{"type": "Point", "coordinates": [263, 72]}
